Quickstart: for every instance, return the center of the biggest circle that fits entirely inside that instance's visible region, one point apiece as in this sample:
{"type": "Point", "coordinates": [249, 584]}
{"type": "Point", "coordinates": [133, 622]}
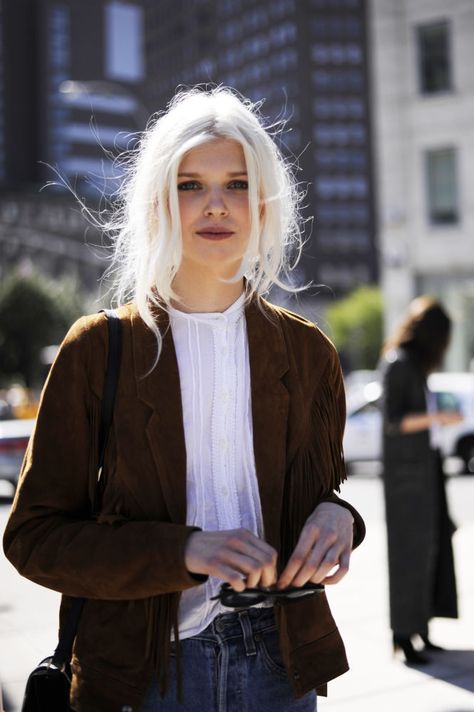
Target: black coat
{"type": "Point", "coordinates": [421, 567]}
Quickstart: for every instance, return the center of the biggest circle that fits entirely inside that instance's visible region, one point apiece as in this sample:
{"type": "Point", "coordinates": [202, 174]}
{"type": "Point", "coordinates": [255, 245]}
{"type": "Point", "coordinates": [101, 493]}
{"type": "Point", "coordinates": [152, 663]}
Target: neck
{"type": "Point", "coordinates": [200, 294]}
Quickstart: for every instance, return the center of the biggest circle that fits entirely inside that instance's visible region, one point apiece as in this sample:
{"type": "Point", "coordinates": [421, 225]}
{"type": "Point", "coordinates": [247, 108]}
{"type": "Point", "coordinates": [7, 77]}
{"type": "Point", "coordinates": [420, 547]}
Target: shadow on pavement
{"type": "Point", "coordinates": [453, 666]}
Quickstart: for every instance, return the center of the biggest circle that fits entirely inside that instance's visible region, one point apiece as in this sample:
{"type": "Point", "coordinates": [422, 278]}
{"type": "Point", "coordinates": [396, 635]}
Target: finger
{"type": "Point", "coordinates": [307, 539]}
{"type": "Point", "coordinates": [247, 543]}
{"type": "Point", "coordinates": [318, 565]}
{"type": "Point", "coordinates": [269, 573]}
{"type": "Point", "coordinates": [266, 576]}
{"type": "Point", "coordinates": [246, 568]}
{"type": "Point", "coordinates": [233, 578]}
{"type": "Point", "coordinates": [266, 551]}
{"type": "Point", "coordinates": [340, 572]}
{"type": "Point", "coordinates": [259, 551]}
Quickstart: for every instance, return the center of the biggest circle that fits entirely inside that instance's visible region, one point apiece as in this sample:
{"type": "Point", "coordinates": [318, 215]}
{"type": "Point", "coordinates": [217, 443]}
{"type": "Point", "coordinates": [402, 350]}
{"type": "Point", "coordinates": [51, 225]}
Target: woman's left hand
{"type": "Point", "coordinates": [325, 543]}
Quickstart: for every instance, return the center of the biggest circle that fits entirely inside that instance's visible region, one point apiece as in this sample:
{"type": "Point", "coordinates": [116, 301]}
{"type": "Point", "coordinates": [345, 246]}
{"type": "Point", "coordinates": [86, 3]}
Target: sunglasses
{"type": "Point", "coordinates": [251, 596]}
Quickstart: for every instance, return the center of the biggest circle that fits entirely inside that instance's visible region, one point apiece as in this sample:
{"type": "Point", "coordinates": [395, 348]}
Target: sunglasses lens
{"type": "Point", "coordinates": [233, 599]}
{"type": "Point", "coordinates": [300, 593]}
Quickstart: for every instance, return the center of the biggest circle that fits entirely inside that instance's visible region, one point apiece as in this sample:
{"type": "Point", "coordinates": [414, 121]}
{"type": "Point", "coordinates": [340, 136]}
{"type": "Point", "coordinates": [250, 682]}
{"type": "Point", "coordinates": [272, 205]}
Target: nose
{"type": "Point", "coordinates": [216, 204]}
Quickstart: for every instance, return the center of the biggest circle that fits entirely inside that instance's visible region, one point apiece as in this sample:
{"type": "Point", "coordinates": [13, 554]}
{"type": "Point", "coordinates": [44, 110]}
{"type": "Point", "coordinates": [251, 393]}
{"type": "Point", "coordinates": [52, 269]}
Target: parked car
{"type": "Point", "coordinates": [453, 391]}
{"type": "Point", "coordinates": [14, 436]}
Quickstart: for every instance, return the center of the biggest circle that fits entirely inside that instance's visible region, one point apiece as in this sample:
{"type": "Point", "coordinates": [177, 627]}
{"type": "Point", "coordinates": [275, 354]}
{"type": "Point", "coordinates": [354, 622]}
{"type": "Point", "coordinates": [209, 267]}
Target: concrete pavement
{"type": "Point", "coordinates": [376, 682]}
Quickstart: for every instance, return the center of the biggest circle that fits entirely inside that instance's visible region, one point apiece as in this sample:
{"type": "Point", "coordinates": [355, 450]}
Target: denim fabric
{"type": "Point", "coordinates": [234, 665]}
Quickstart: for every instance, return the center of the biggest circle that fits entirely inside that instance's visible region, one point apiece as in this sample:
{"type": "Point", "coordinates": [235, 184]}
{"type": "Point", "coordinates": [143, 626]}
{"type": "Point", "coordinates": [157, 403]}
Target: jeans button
{"type": "Point", "coordinates": [219, 626]}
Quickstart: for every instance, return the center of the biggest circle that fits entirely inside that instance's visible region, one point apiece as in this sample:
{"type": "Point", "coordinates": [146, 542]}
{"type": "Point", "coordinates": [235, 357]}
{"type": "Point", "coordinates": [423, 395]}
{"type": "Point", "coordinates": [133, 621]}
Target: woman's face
{"type": "Point", "coordinates": [214, 207]}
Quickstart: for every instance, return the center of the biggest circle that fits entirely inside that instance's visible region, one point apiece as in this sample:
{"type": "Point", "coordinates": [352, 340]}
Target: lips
{"type": "Point", "coordinates": [214, 233]}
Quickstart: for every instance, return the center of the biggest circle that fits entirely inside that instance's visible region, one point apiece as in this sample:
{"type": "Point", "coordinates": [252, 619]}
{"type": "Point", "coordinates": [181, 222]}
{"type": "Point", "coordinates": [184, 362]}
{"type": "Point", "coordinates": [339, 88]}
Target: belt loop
{"type": "Point", "coordinates": [247, 633]}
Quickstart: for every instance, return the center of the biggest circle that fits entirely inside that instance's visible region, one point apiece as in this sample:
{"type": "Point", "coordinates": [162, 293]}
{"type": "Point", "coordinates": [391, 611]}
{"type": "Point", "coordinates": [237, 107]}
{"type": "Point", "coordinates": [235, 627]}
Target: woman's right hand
{"type": "Point", "coordinates": [449, 417]}
{"type": "Point", "coordinates": [236, 556]}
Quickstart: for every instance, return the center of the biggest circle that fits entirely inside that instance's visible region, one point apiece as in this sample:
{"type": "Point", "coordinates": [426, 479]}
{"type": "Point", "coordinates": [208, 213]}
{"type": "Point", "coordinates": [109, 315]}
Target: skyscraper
{"type": "Point", "coordinates": [72, 87]}
{"type": "Point", "coordinates": [71, 95]}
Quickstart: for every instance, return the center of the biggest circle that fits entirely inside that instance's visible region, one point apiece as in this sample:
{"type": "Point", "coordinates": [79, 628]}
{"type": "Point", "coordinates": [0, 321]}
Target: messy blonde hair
{"type": "Point", "coordinates": [146, 228]}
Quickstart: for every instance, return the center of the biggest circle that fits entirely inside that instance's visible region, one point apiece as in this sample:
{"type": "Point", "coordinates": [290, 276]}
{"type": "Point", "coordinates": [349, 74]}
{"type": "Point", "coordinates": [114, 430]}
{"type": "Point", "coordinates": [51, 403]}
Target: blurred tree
{"type": "Point", "coordinates": [35, 311]}
{"type": "Point", "coordinates": [356, 326]}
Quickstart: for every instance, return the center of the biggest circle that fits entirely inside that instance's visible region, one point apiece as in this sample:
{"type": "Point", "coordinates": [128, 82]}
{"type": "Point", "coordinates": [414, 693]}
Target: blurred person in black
{"type": "Point", "coordinates": [419, 529]}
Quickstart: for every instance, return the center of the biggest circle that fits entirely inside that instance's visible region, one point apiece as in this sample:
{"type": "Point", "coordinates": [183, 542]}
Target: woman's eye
{"type": "Point", "coordinates": [188, 185]}
{"type": "Point", "coordinates": [240, 184]}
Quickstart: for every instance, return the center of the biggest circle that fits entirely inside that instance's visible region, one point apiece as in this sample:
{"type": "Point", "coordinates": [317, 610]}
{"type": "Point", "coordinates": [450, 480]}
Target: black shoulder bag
{"type": "Point", "coordinates": [48, 686]}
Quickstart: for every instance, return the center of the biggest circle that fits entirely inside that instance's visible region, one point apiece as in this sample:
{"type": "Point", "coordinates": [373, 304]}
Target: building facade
{"type": "Point", "coordinates": [72, 80]}
{"type": "Point", "coordinates": [424, 143]}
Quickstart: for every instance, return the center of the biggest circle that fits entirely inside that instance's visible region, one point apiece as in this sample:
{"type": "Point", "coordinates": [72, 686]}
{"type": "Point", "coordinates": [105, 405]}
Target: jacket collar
{"type": "Point", "coordinates": [160, 390]}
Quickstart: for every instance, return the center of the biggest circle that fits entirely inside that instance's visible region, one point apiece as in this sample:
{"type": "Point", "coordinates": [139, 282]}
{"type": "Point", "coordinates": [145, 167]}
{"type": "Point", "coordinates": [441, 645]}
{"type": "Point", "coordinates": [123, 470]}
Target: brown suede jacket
{"type": "Point", "coordinates": [129, 562]}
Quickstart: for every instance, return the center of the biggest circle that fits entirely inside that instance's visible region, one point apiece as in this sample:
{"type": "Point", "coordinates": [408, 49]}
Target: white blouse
{"type": "Point", "coordinates": [222, 487]}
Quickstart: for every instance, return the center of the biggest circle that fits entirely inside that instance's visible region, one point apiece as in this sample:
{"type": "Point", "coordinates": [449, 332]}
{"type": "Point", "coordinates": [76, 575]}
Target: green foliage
{"type": "Point", "coordinates": [35, 311]}
{"type": "Point", "coordinates": [356, 326]}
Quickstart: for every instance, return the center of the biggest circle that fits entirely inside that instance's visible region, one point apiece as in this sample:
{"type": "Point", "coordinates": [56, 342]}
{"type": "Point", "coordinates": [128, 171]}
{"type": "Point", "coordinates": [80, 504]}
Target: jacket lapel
{"type": "Point", "coordinates": [160, 390]}
{"type": "Point", "coordinates": [270, 402]}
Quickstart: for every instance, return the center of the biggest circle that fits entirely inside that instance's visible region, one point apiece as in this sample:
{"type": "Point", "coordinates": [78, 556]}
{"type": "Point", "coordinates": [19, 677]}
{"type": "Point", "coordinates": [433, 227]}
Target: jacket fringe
{"type": "Point", "coordinates": [316, 470]}
{"type": "Point", "coordinates": [162, 619]}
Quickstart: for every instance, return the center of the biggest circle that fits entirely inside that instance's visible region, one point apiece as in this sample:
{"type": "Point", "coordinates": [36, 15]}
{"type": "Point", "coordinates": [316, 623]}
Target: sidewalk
{"type": "Point", "coordinates": [376, 682]}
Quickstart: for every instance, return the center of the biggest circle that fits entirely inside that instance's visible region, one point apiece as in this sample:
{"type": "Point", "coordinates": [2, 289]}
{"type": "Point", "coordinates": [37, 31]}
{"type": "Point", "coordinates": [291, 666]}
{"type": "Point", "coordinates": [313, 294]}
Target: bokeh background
{"type": "Point", "coordinates": [378, 102]}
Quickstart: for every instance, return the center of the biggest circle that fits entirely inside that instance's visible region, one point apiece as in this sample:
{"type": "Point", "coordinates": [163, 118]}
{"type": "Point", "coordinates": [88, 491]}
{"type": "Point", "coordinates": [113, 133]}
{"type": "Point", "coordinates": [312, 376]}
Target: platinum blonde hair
{"type": "Point", "coordinates": [146, 229]}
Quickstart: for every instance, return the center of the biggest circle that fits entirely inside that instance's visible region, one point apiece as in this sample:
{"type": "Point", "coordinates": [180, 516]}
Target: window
{"type": "Point", "coordinates": [341, 159]}
{"type": "Point", "coordinates": [342, 187]}
{"type": "Point", "coordinates": [338, 134]}
{"type": "Point", "coordinates": [339, 108]}
{"type": "Point", "coordinates": [336, 26]}
{"type": "Point", "coordinates": [336, 53]}
{"type": "Point", "coordinates": [434, 58]}
{"type": "Point", "coordinates": [124, 56]}
{"type": "Point", "coordinates": [59, 70]}
{"type": "Point", "coordinates": [442, 191]}
{"type": "Point", "coordinates": [337, 80]}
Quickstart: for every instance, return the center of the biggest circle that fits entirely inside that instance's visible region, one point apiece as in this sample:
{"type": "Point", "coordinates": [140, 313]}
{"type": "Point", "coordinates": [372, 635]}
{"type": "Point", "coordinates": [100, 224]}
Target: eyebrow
{"type": "Point", "coordinates": [198, 175]}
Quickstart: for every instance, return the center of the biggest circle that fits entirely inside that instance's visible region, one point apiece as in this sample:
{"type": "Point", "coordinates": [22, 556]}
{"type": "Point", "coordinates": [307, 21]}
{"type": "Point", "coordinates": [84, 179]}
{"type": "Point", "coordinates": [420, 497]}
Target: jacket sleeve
{"type": "Point", "coordinates": [50, 537]}
{"type": "Point", "coordinates": [336, 393]}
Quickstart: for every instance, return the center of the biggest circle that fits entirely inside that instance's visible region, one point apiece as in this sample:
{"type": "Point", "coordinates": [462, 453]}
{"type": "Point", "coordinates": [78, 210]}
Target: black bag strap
{"type": "Point", "coordinates": [63, 652]}
{"type": "Point", "coordinates": [114, 358]}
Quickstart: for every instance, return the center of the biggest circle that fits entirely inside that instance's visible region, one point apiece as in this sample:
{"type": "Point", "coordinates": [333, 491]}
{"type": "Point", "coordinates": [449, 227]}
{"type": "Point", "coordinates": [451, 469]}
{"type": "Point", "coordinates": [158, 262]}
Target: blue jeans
{"type": "Point", "coordinates": [234, 665]}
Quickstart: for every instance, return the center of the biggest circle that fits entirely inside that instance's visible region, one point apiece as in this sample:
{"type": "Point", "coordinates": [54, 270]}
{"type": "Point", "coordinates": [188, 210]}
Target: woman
{"type": "Point", "coordinates": [421, 570]}
{"type": "Point", "coordinates": [225, 450]}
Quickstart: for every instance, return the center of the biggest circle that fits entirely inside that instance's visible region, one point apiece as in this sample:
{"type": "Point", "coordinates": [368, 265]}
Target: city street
{"type": "Point", "coordinates": [376, 683]}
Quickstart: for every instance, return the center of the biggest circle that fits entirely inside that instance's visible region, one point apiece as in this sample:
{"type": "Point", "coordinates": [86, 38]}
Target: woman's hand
{"type": "Point", "coordinates": [415, 422]}
{"type": "Point", "coordinates": [325, 542]}
{"type": "Point", "coordinates": [448, 417]}
{"type": "Point", "coordinates": [236, 556]}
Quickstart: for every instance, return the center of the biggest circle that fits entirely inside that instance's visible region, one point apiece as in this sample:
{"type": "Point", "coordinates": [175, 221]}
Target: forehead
{"type": "Point", "coordinates": [218, 153]}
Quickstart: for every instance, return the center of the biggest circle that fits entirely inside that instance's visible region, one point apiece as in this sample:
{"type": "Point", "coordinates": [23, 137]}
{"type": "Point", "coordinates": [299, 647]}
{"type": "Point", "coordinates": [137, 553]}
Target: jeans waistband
{"type": "Point", "coordinates": [247, 624]}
